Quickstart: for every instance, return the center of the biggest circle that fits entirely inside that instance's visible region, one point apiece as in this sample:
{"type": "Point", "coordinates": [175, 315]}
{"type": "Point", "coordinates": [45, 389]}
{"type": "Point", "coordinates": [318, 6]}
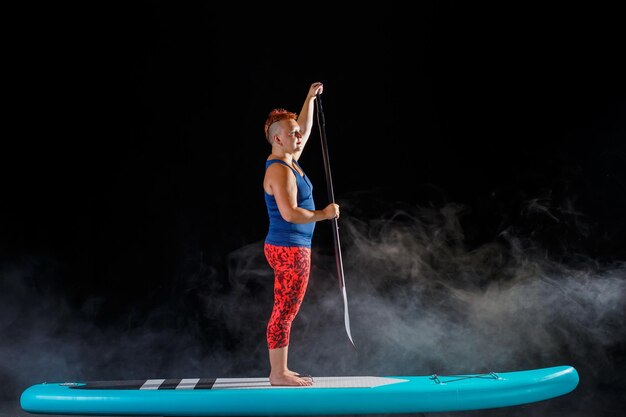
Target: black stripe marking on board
{"type": "Point", "coordinates": [169, 384]}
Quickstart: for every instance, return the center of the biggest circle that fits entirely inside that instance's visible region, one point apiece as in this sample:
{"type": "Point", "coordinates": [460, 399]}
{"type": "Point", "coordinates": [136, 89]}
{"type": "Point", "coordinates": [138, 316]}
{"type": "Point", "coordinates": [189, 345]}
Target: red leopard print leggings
{"type": "Point", "coordinates": [292, 266]}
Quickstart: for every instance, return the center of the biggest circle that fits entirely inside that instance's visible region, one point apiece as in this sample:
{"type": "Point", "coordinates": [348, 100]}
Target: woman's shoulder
{"type": "Point", "coordinates": [271, 161]}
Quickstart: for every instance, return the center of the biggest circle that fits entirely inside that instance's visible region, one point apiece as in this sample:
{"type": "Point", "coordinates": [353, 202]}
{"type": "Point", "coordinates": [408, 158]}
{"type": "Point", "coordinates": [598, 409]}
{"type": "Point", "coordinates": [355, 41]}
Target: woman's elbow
{"type": "Point", "coordinates": [288, 216]}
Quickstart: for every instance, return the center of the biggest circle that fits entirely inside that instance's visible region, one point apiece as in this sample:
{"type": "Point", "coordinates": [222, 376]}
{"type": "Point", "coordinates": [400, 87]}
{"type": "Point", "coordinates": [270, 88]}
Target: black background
{"type": "Point", "coordinates": [132, 160]}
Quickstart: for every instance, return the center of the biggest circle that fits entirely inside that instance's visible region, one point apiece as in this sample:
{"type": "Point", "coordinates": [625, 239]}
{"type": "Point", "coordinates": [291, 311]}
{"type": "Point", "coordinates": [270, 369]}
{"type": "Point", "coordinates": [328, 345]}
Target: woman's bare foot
{"type": "Point", "coordinates": [305, 377]}
{"type": "Point", "coordinates": [289, 378]}
{"type": "Point", "coordinates": [280, 373]}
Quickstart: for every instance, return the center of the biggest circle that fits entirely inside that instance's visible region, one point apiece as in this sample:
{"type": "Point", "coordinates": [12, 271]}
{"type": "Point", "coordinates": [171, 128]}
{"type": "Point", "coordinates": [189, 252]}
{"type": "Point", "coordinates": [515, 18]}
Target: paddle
{"type": "Point", "coordinates": [321, 122]}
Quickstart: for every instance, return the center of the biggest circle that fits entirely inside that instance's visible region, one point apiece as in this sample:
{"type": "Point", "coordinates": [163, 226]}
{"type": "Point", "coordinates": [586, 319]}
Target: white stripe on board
{"type": "Point", "coordinates": [152, 384]}
{"type": "Point", "coordinates": [318, 382]}
{"type": "Point", "coordinates": [189, 383]}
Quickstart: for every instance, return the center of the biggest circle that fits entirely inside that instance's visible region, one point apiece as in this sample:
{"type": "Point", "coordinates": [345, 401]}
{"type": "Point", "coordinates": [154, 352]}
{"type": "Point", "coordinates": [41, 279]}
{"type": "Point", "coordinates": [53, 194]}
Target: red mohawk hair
{"type": "Point", "coordinates": [277, 115]}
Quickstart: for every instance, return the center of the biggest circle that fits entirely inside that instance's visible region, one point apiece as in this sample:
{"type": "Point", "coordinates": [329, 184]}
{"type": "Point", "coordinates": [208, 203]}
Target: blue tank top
{"type": "Point", "coordinates": [282, 232]}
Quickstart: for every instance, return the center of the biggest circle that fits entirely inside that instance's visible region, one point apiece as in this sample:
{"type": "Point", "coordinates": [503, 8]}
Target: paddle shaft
{"type": "Point", "coordinates": [331, 197]}
{"type": "Point", "coordinates": [331, 194]}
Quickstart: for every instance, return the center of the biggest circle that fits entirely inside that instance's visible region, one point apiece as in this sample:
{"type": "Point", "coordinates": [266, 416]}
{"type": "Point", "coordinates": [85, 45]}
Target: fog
{"type": "Point", "coordinates": [421, 301]}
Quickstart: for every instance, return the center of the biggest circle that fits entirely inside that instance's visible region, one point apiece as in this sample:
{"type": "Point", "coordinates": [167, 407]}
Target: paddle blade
{"type": "Point", "coordinates": [346, 315]}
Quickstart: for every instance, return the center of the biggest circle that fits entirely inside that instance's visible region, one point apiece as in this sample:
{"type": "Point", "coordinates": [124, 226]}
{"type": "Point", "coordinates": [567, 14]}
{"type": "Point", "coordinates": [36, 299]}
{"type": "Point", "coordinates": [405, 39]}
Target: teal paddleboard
{"type": "Point", "coordinates": [327, 395]}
